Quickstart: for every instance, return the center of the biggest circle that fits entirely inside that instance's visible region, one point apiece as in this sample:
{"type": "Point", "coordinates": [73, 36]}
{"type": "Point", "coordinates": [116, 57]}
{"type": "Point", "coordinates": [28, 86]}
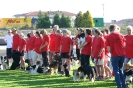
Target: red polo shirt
{"type": "Point", "coordinates": [99, 43]}
{"type": "Point", "coordinates": [52, 42]}
{"type": "Point", "coordinates": [116, 42]}
{"type": "Point", "coordinates": [16, 40]}
{"type": "Point", "coordinates": [57, 43]}
{"type": "Point", "coordinates": [66, 42]}
{"type": "Point", "coordinates": [31, 43]}
{"type": "Point", "coordinates": [45, 39]}
{"type": "Point", "coordinates": [37, 45]}
{"type": "Point", "coordinates": [22, 43]}
{"type": "Point", "coordinates": [87, 48]}
{"type": "Point", "coordinates": [129, 46]}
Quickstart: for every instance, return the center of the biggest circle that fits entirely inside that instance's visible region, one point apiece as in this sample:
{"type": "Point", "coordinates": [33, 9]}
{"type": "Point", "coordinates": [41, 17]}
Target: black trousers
{"type": "Point", "coordinates": [45, 59]}
{"type": "Point", "coordinates": [85, 59]}
{"type": "Point", "coordinates": [16, 60]}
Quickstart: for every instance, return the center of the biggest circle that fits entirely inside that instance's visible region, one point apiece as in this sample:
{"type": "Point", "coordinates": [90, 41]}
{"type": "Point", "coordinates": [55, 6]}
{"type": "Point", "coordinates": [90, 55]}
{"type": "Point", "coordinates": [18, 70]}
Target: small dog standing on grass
{"type": "Point", "coordinates": [4, 65]}
{"type": "Point", "coordinates": [76, 75]}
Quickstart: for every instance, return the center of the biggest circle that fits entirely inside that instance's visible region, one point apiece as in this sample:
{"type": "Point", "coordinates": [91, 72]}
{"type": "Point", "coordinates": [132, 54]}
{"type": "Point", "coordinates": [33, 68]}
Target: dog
{"type": "Point", "coordinates": [4, 65]}
{"type": "Point", "coordinates": [89, 71]}
{"type": "Point", "coordinates": [128, 73]}
{"type": "Point", "coordinates": [53, 67]}
{"type": "Point", "coordinates": [76, 75]}
{"type": "Point", "coordinates": [66, 70]}
{"type": "Point", "coordinates": [81, 40]}
{"type": "Point", "coordinates": [35, 68]}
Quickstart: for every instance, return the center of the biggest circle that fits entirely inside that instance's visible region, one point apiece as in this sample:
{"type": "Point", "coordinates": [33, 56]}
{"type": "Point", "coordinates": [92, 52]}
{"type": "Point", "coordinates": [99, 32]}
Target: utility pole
{"type": "Point", "coordinates": [103, 10]}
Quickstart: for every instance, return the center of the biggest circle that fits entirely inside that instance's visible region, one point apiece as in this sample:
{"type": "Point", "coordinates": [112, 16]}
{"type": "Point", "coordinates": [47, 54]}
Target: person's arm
{"type": "Point", "coordinates": [108, 47]}
{"type": "Point", "coordinates": [101, 50]}
{"type": "Point", "coordinates": [44, 45]}
{"type": "Point", "coordinates": [24, 48]}
{"type": "Point", "coordinates": [84, 44]}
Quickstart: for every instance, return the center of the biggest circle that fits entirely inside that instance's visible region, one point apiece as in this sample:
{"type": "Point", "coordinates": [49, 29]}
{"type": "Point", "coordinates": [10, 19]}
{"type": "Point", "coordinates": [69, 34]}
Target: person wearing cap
{"type": "Point", "coordinates": [65, 49]}
{"type": "Point", "coordinates": [8, 39]}
{"type": "Point", "coordinates": [15, 55]}
{"type": "Point", "coordinates": [44, 47]}
{"type": "Point", "coordinates": [22, 50]}
{"type": "Point", "coordinates": [52, 42]}
{"type": "Point", "coordinates": [31, 46]}
{"type": "Point", "coordinates": [38, 42]}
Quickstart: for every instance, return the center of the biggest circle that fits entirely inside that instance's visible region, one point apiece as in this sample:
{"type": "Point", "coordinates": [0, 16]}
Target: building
{"type": "Point", "coordinates": [34, 15]}
{"type": "Point", "coordinates": [14, 22]}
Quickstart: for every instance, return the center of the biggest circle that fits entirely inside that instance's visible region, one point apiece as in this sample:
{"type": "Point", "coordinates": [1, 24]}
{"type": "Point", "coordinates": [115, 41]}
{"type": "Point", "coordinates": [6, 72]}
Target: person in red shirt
{"type": "Point", "coordinates": [52, 42]}
{"type": "Point", "coordinates": [57, 47]}
{"type": "Point", "coordinates": [22, 50]}
{"type": "Point", "coordinates": [129, 45]}
{"type": "Point", "coordinates": [44, 47]}
{"type": "Point", "coordinates": [99, 54]}
{"type": "Point", "coordinates": [27, 60]}
{"type": "Point", "coordinates": [108, 72]}
{"type": "Point", "coordinates": [65, 49]}
{"type": "Point", "coordinates": [15, 53]}
{"type": "Point", "coordinates": [116, 44]}
{"type": "Point", "coordinates": [37, 53]}
{"type": "Point", "coordinates": [31, 46]}
{"type": "Point", "coordinates": [86, 48]}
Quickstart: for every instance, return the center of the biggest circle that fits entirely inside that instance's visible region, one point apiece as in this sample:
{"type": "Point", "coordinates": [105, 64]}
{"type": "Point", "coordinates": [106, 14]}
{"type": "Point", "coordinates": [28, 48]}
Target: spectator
{"type": "Point", "coordinates": [86, 51]}
{"type": "Point", "coordinates": [15, 55]}
{"type": "Point", "coordinates": [8, 39]}
{"type": "Point", "coordinates": [129, 45]}
{"type": "Point", "coordinates": [44, 47]}
{"type": "Point", "coordinates": [115, 45]}
{"type": "Point", "coordinates": [52, 42]}
{"type": "Point", "coordinates": [22, 50]}
{"type": "Point", "coordinates": [37, 45]}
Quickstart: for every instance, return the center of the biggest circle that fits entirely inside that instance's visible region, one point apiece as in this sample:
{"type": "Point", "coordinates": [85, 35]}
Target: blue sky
{"type": "Point", "coordinates": [113, 9]}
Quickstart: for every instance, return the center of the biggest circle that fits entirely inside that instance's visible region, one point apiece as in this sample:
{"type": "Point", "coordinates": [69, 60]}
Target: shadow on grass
{"type": "Point", "coordinates": [51, 81]}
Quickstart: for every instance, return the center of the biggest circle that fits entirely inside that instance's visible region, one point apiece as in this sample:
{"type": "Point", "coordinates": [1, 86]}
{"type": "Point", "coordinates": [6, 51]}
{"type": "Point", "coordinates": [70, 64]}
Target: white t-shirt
{"type": "Point", "coordinates": [9, 39]}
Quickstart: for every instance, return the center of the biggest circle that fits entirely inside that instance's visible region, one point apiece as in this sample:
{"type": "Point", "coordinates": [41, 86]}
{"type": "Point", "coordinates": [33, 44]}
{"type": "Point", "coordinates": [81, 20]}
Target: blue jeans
{"type": "Point", "coordinates": [117, 64]}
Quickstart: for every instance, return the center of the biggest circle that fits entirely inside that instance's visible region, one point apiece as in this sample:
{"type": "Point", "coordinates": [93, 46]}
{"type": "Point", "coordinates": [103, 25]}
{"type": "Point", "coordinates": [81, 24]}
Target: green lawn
{"type": "Point", "coordinates": [21, 79]}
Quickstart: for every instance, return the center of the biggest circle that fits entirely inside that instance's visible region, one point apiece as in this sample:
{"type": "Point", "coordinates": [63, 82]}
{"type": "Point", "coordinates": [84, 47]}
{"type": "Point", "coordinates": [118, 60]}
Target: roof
{"type": "Point", "coordinates": [35, 13]}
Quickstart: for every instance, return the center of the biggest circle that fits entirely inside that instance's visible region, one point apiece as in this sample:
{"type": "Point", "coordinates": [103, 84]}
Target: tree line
{"type": "Point", "coordinates": [81, 20]}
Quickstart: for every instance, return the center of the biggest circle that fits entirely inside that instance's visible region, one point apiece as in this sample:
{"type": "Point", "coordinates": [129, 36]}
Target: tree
{"type": "Point", "coordinates": [46, 21]}
{"type": "Point", "coordinates": [65, 21]}
{"type": "Point", "coordinates": [56, 20]}
{"type": "Point", "coordinates": [87, 20]}
{"type": "Point", "coordinates": [43, 21]}
{"type": "Point", "coordinates": [68, 22]}
{"type": "Point", "coordinates": [40, 20]}
{"type": "Point", "coordinates": [78, 19]}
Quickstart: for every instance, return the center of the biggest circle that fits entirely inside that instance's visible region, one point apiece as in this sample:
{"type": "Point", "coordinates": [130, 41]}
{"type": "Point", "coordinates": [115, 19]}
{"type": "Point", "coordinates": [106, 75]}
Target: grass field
{"type": "Point", "coordinates": [21, 79]}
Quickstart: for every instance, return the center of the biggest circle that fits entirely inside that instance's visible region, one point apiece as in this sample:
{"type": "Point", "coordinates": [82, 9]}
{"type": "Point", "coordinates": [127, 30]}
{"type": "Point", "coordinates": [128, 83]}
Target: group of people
{"type": "Point", "coordinates": [103, 47]}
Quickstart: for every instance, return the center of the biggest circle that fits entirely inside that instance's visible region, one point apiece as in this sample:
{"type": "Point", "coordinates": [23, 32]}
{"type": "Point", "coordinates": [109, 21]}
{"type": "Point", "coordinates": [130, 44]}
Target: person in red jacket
{"type": "Point", "coordinates": [86, 51]}
{"type": "Point", "coordinates": [31, 46]}
{"type": "Point", "coordinates": [52, 42]}
{"type": "Point", "coordinates": [15, 53]}
{"type": "Point", "coordinates": [129, 45]}
{"type": "Point", "coordinates": [116, 46]}
{"type": "Point", "coordinates": [37, 54]}
{"type": "Point", "coordinates": [44, 47]}
{"type": "Point", "coordinates": [99, 54]}
{"type": "Point", "coordinates": [65, 49]}
{"type": "Point", "coordinates": [22, 50]}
